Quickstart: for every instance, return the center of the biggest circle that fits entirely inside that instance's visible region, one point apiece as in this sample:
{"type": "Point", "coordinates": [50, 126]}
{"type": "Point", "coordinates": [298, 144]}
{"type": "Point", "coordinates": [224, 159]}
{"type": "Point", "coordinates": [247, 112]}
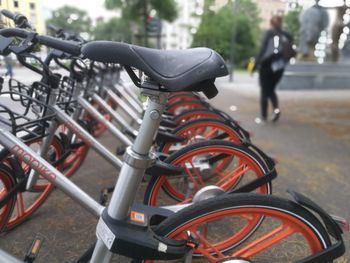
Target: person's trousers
{"type": "Point", "coordinates": [268, 82]}
{"type": "Point", "coordinates": [9, 70]}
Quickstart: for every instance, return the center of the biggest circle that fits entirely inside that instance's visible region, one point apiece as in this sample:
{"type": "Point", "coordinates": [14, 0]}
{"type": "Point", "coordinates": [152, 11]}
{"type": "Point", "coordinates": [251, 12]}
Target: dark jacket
{"type": "Point", "coordinates": [269, 34]}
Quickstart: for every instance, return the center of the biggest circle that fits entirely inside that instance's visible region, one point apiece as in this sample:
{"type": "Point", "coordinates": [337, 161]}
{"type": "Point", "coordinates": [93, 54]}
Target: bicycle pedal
{"type": "Point", "coordinates": [34, 250]}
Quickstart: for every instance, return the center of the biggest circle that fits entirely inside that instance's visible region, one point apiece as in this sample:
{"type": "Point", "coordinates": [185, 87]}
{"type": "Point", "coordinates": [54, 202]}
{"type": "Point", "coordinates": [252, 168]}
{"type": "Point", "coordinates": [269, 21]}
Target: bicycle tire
{"type": "Point", "coordinates": [185, 131]}
{"type": "Point", "coordinates": [156, 184]}
{"type": "Point", "coordinates": [8, 181]}
{"type": "Point", "coordinates": [197, 114]}
{"type": "Point", "coordinates": [187, 104]}
{"type": "Point", "coordinates": [183, 96]}
{"type": "Point", "coordinates": [295, 216]}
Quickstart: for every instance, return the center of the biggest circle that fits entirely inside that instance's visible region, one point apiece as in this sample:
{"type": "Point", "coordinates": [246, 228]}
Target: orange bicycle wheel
{"type": "Point", "coordinates": [7, 182]}
{"type": "Point", "coordinates": [28, 202]}
{"type": "Point", "coordinates": [220, 163]}
{"type": "Point", "coordinates": [202, 130]}
{"type": "Point", "coordinates": [231, 226]}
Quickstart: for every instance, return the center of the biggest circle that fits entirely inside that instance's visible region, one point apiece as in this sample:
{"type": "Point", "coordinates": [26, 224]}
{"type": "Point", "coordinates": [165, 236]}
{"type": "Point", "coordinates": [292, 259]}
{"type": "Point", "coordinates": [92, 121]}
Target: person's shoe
{"type": "Point", "coordinates": [277, 115]}
{"type": "Point", "coordinates": [260, 121]}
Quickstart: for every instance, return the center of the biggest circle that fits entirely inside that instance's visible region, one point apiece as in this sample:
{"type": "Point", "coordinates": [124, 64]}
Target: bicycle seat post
{"type": "Point", "coordinates": [137, 159]}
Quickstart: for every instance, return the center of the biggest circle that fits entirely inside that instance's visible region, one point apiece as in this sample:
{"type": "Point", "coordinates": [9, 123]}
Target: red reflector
{"type": "Point", "coordinates": [342, 223]}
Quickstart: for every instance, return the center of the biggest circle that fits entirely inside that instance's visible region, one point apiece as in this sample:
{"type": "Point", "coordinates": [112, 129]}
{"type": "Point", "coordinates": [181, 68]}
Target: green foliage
{"type": "Point", "coordinates": [166, 9]}
{"type": "Point", "coordinates": [115, 29]}
{"type": "Point", "coordinates": [71, 18]}
{"type": "Point", "coordinates": [137, 12]}
{"type": "Point", "coordinates": [239, 21]}
{"type": "Point", "coordinates": [291, 22]}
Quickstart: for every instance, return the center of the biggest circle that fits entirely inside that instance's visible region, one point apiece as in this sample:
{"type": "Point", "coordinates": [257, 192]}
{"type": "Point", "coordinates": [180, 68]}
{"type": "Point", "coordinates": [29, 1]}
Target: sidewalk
{"type": "Point", "coordinates": [311, 142]}
{"type": "Point", "coordinates": [328, 110]}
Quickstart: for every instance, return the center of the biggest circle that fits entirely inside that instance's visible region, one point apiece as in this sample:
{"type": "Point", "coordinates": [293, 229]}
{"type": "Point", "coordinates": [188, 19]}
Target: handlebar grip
{"type": "Point", "coordinates": [66, 46]}
{"type": "Point", "coordinates": [8, 14]}
{"type": "Point", "coordinates": [14, 32]}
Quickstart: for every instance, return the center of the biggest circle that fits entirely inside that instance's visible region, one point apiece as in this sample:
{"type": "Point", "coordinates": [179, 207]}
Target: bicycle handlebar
{"type": "Point", "coordinates": [65, 46]}
{"type": "Point", "coordinates": [8, 14]}
{"type": "Point", "coordinates": [20, 20]}
{"type": "Point", "coordinates": [14, 32]}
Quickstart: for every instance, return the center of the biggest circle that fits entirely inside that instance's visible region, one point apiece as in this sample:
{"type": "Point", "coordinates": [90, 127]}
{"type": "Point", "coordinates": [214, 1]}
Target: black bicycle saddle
{"type": "Point", "coordinates": [175, 70]}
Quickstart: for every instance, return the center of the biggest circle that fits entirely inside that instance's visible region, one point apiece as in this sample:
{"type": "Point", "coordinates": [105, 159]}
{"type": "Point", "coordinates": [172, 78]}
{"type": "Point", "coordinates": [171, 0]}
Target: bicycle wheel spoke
{"type": "Point", "coordinates": [198, 175]}
{"type": "Point", "coordinates": [266, 241]}
{"type": "Point", "coordinates": [191, 175]}
{"type": "Point", "coordinates": [226, 182]}
{"type": "Point", "coordinates": [211, 133]}
{"type": "Point", "coordinates": [20, 206]}
{"type": "Point", "coordinates": [2, 193]}
{"type": "Point", "coordinates": [206, 248]}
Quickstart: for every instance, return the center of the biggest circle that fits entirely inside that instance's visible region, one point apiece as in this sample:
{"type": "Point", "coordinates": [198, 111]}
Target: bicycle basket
{"type": "Point", "coordinates": [24, 109]}
{"type": "Point", "coordinates": [65, 98]}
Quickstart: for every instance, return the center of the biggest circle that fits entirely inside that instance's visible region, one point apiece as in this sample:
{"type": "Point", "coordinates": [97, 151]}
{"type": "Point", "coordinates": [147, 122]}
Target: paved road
{"type": "Point", "coordinates": [311, 142]}
{"type": "Point", "coordinates": [313, 159]}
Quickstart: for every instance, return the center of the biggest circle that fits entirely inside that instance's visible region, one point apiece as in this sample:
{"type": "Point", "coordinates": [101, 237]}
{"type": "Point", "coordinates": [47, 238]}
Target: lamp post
{"type": "Point", "coordinates": [233, 41]}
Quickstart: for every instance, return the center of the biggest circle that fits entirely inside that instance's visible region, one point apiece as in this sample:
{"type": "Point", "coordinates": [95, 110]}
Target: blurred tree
{"type": "Point", "coordinates": [291, 22]}
{"type": "Point", "coordinates": [138, 12]}
{"type": "Point", "coordinates": [115, 29]}
{"type": "Point", "coordinates": [217, 28]}
{"type": "Point", "coordinates": [71, 18]}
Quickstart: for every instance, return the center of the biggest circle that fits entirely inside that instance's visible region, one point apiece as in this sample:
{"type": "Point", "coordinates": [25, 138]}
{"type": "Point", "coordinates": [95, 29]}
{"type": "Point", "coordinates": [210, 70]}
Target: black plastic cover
{"type": "Point", "coordinates": [141, 242]}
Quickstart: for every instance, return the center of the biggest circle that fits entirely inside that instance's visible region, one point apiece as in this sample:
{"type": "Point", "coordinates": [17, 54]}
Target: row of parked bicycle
{"type": "Point", "coordinates": [209, 189]}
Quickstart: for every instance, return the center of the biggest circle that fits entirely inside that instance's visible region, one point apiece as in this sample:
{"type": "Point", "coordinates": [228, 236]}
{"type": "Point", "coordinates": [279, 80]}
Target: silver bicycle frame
{"type": "Point", "coordinates": [8, 258]}
{"type": "Point", "coordinates": [132, 93]}
{"type": "Point", "coordinates": [40, 165]}
{"type": "Point", "coordinates": [101, 119]}
{"type": "Point", "coordinates": [136, 161]}
{"type": "Point", "coordinates": [114, 114]}
{"type": "Point", "coordinates": [134, 103]}
{"type": "Point", "coordinates": [33, 176]}
{"type": "Point", "coordinates": [124, 106]}
{"type": "Point", "coordinates": [87, 138]}
{"type": "Point", "coordinates": [97, 146]}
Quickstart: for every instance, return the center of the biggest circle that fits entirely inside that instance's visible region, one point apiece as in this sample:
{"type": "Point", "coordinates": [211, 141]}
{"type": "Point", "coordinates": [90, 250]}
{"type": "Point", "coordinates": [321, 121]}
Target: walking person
{"type": "Point", "coordinates": [275, 52]}
{"type": "Point", "coordinates": [8, 65]}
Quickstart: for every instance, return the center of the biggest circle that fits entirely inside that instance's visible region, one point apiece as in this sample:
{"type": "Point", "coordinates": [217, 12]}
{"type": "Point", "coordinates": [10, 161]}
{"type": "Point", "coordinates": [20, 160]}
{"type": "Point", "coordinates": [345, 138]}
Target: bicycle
{"type": "Point", "coordinates": [69, 122]}
{"type": "Point", "coordinates": [127, 231]}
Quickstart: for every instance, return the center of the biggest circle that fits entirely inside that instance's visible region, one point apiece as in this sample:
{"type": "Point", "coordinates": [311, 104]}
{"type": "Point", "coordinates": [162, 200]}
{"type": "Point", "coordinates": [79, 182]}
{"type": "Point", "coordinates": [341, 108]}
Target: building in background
{"type": "Point", "coordinates": [32, 9]}
{"type": "Point", "coordinates": [269, 8]}
{"type": "Point", "coordinates": [178, 34]}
